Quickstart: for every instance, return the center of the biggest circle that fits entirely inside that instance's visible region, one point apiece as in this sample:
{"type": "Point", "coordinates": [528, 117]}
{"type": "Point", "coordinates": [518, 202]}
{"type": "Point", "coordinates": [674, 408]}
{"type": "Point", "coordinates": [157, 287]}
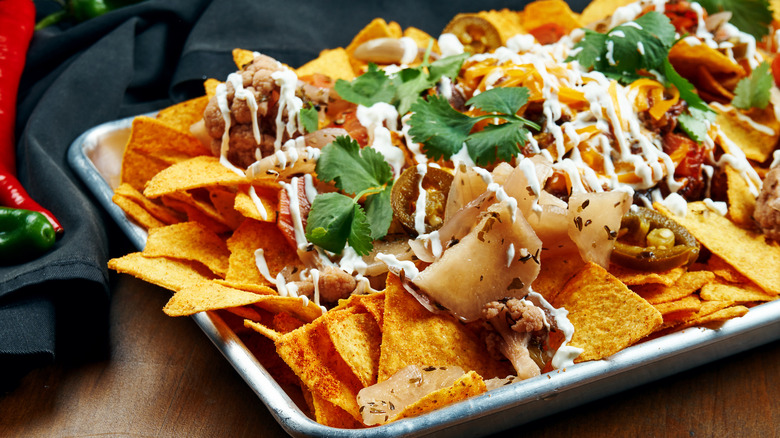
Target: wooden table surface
{"type": "Point", "coordinates": [164, 378]}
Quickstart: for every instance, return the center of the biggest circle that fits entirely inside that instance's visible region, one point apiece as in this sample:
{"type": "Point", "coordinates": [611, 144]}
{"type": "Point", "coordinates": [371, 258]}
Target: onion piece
{"type": "Point", "coordinates": [498, 258]}
{"type": "Point", "coordinates": [382, 402]}
{"type": "Point", "coordinates": [594, 219]}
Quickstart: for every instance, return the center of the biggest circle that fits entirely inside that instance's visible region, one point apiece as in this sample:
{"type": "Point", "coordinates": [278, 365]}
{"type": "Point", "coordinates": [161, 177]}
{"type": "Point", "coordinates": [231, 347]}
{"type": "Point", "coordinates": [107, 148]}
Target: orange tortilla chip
{"type": "Point", "coordinates": [136, 212]}
{"type": "Point", "coordinates": [189, 241]}
{"type": "Point", "coordinates": [739, 293]}
{"type": "Point", "coordinates": [184, 114]}
{"type": "Point", "coordinates": [607, 316]}
{"type": "Point", "coordinates": [162, 271]}
{"type": "Point", "coordinates": [756, 132]}
{"type": "Point", "coordinates": [470, 385]}
{"type": "Point", "coordinates": [328, 414]}
{"type": "Point", "coordinates": [554, 274]}
{"type": "Point", "coordinates": [242, 57]}
{"type": "Point", "coordinates": [412, 335]}
{"type": "Point", "coordinates": [246, 240]}
{"type": "Point", "coordinates": [210, 87]}
{"type": "Point", "coordinates": [687, 58]}
{"type": "Point", "coordinates": [357, 338]}
{"type": "Point", "coordinates": [207, 295]}
{"type": "Point", "coordinates": [197, 172]}
{"type": "Point", "coordinates": [302, 309]}
{"type": "Point", "coordinates": [377, 28]}
{"type": "Point", "coordinates": [545, 12]}
{"type": "Point", "coordinates": [247, 206]}
{"type": "Point", "coordinates": [598, 10]}
{"type": "Point", "coordinates": [690, 303]}
{"type": "Point", "coordinates": [741, 202]}
{"type": "Point", "coordinates": [160, 212]}
{"type": "Point", "coordinates": [311, 355]}
{"type": "Point", "coordinates": [223, 200]}
{"type": "Point", "coordinates": [687, 284]}
{"type": "Point", "coordinates": [631, 277]}
{"type": "Point", "coordinates": [749, 253]}
{"type": "Point", "coordinates": [155, 137]}
{"type": "Point", "coordinates": [333, 63]}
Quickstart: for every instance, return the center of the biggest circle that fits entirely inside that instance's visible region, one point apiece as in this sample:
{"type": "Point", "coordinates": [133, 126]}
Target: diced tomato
{"type": "Point", "coordinates": [776, 70]}
{"type": "Point", "coordinates": [548, 33]}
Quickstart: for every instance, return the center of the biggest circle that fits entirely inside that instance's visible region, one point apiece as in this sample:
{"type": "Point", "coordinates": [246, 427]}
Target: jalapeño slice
{"type": "Point", "coordinates": [406, 190]}
{"type": "Point", "coordinates": [649, 241]}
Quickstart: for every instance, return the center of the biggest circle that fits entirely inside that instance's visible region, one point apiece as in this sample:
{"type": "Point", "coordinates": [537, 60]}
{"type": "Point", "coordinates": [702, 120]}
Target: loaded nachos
{"type": "Point", "coordinates": [412, 220]}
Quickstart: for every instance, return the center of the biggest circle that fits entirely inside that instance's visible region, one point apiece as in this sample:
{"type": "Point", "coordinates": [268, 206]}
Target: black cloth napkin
{"type": "Point", "coordinates": [130, 61]}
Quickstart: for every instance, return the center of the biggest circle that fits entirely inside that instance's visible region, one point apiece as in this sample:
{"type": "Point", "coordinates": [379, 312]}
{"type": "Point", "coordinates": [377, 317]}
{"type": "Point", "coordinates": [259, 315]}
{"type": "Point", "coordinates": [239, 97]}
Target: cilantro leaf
{"type": "Point", "coordinates": [336, 219]}
{"type": "Point", "coordinates": [749, 16]}
{"type": "Point", "coordinates": [439, 126]}
{"type": "Point", "coordinates": [351, 168]}
{"type": "Point", "coordinates": [401, 89]}
{"type": "Point", "coordinates": [310, 118]}
{"type": "Point", "coordinates": [687, 90]}
{"type": "Point", "coordinates": [753, 91]}
{"type": "Point", "coordinates": [379, 212]}
{"type": "Point", "coordinates": [627, 50]}
{"type": "Point", "coordinates": [443, 130]}
{"type": "Point", "coordinates": [694, 122]}
{"type": "Point", "coordinates": [507, 100]}
{"type": "Point", "coordinates": [496, 141]}
{"type": "Point", "coordinates": [367, 89]}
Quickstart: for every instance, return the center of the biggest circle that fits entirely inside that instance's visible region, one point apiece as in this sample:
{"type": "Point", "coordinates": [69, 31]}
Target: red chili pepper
{"type": "Point", "coordinates": [17, 23]}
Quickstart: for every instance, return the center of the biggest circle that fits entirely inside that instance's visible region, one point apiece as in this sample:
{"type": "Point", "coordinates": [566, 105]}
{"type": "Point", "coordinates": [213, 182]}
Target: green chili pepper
{"type": "Point", "coordinates": [82, 10]}
{"type": "Point", "coordinates": [636, 247]}
{"type": "Point", "coordinates": [24, 235]}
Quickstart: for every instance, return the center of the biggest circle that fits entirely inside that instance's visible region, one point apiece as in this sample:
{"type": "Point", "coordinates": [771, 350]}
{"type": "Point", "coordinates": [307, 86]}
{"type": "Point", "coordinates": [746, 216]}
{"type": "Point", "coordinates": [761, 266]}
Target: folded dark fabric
{"type": "Point", "coordinates": [134, 60]}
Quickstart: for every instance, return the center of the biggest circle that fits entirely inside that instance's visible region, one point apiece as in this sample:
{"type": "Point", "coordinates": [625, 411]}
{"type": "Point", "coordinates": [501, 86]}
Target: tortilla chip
{"type": "Point", "coordinates": [412, 335]}
{"type": "Point", "coordinates": [607, 316]}
{"type": "Point", "coordinates": [196, 210]}
{"type": "Point", "coordinates": [687, 284]}
{"type": "Point", "coordinates": [469, 385]}
{"type": "Point", "coordinates": [246, 205]}
{"type": "Point", "coordinates": [301, 308]}
{"type": "Point", "coordinates": [155, 137]}
{"type": "Point", "coordinates": [223, 200]}
{"type": "Point", "coordinates": [162, 271]}
{"type": "Point", "coordinates": [687, 58]}
{"type": "Point", "coordinates": [312, 356]}
{"type": "Point", "coordinates": [422, 38]}
{"type": "Point", "coordinates": [207, 295]}
{"type": "Point", "coordinates": [554, 274]}
{"type": "Point", "coordinates": [756, 132]}
{"type": "Point", "coordinates": [135, 212]}
{"type": "Point", "coordinates": [741, 202]}
{"type": "Point", "coordinates": [506, 21]}
{"type": "Point", "coordinates": [161, 213]}
{"type": "Point", "coordinates": [632, 277]}
{"type": "Point", "coordinates": [717, 316]}
{"type": "Point", "coordinates": [739, 293]}
{"type": "Point", "coordinates": [357, 338]}
{"type": "Point", "coordinates": [246, 240]}
{"type": "Point", "coordinates": [690, 304]}
{"type": "Point", "coordinates": [189, 241]}
{"type": "Point", "coordinates": [210, 87]}
{"type": "Point", "coordinates": [184, 114]}
{"type": "Point", "coordinates": [725, 271]}
{"type": "Point", "coordinates": [242, 57]}
{"type": "Point", "coordinates": [598, 10]}
{"type": "Point", "coordinates": [541, 13]}
{"type": "Point", "coordinates": [328, 414]}
{"type": "Point", "coordinates": [749, 253]}
{"type": "Point", "coordinates": [197, 172]}
{"type": "Point", "coordinates": [333, 63]}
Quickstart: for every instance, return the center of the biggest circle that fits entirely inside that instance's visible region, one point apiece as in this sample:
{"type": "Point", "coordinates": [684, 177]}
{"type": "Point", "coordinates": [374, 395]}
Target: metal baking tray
{"type": "Point", "coordinates": [96, 157]}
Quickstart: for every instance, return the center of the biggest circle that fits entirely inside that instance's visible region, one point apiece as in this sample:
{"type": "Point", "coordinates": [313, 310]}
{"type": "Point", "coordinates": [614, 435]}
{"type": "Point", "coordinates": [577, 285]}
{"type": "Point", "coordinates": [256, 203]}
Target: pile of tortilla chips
{"type": "Point", "coordinates": [204, 229]}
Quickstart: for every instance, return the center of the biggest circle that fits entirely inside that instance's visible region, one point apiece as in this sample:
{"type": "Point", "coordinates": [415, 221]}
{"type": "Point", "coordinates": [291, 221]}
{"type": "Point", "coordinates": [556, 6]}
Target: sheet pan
{"type": "Point", "coordinates": [95, 157]}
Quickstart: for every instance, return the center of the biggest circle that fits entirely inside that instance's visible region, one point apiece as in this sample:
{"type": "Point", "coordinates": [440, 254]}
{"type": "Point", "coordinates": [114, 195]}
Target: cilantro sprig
{"type": "Point", "coordinates": [443, 130]}
{"type": "Point", "coordinates": [754, 90]}
{"type": "Point", "coordinates": [400, 89]}
{"type": "Point", "coordinates": [639, 48]}
{"type": "Point", "coordinates": [335, 218]}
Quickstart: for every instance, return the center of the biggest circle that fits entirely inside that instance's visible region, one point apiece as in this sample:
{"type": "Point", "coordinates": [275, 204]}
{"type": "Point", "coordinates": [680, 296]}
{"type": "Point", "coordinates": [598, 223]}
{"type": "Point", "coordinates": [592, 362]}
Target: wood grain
{"type": "Point", "coordinates": [165, 379]}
